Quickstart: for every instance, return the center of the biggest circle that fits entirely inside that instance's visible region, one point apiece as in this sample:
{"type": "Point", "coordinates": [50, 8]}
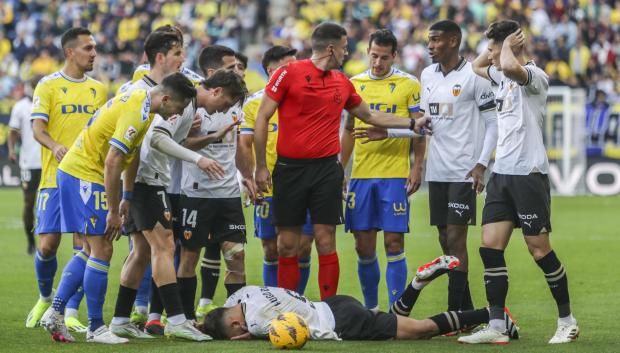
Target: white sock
{"type": "Point", "coordinates": [568, 320]}
{"type": "Point", "coordinates": [177, 319]}
{"type": "Point", "coordinates": [142, 310]}
{"type": "Point", "coordinates": [45, 299]}
{"type": "Point", "coordinates": [154, 316]}
{"type": "Point", "coordinates": [498, 325]}
{"type": "Point", "coordinates": [418, 285]}
{"type": "Point", "coordinates": [120, 320]}
{"type": "Point", "coordinates": [70, 312]}
{"type": "Point", "coordinates": [204, 301]}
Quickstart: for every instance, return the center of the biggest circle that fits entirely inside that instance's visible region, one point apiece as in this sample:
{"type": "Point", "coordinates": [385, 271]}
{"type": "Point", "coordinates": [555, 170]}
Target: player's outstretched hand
{"type": "Point", "coordinates": [59, 152]}
{"type": "Point", "coordinates": [263, 179]}
{"type": "Point", "coordinates": [477, 174]}
{"type": "Point", "coordinates": [219, 134]}
{"type": "Point", "coordinates": [423, 126]}
{"type": "Point", "coordinates": [370, 133]}
{"type": "Point", "coordinates": [213, 169]}
{"type": "Point", "coordinates": [113, 226]}
{"type": "Point", "coordinates": [414, 180]}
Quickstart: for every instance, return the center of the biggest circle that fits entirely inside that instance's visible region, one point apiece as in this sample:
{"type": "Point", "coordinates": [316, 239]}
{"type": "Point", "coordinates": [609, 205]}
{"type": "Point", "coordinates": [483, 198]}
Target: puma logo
{"type": "Point", "coordinates": [459, 212]}
{"type": "Point", "coordinates": [529, 224]}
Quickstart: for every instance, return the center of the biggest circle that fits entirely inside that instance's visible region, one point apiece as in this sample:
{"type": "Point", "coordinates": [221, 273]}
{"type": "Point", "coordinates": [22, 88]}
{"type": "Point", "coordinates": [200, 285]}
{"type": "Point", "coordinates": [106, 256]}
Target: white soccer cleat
{"type": "Point", "coordinates": [129, 330]}
{"type": "Point", "coordinates": [486, 335]}
{"type": "Point", "coordinates": [105, 336]}
{"type": "Point", "coordinates": [565, 333]}
{"type": "Point", "coordinates": [54, 323]}
{"type": "Point", "coordinates": [431, 270]}
{"type": "Point", "coordinates": [185, 331]}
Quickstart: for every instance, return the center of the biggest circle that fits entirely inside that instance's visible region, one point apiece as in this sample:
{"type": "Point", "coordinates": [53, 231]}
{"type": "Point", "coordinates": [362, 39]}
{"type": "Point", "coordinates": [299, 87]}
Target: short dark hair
{"type": "Point", "coordinates": [211, 57]}
{"type": "Point", "coordinates": [325, 34]}
{"type": "Point", "coordinates": [68, 38]}
{"type": "Point", "coordinates": [214, 325]}
{"type": "Point", "coordinates": [498, 31]}
{"type": "Point", "coordinates": [447, 26]}
{"type": "Point", "coordinates": [275, 54]}
{"type": "Point", "coordinates": [242, 58]}
{"type": "Point", "coordinates": [178, 86]}
{"type": "Point", "coordinates": [383, 38]}
{"type": "Point", "coordinates": [171, 29]}
{"type": "Point", "coordinates": [231, 83]}
{"type": "Point", "coordinates": [160, 42]}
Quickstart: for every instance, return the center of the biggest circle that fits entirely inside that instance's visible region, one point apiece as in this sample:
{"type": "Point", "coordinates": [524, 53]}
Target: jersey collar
{"type": "Point", "coordinates": [149, 81]}
{"type": "Point", "coordinates": [69, 78]}
{"type": "Point", "coordinates": [458, 67]}
{"type": "Point", "coordinates": [373, 77]}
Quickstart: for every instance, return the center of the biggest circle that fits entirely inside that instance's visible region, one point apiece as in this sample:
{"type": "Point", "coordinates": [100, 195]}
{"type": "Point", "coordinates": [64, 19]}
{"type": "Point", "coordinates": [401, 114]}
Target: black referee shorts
{"type": "Point", "coordinates": [355, 322]}
{"type": "Point", "coordinates": [302, 184]}
{"type": "Point", "coordinates": [523, 199]}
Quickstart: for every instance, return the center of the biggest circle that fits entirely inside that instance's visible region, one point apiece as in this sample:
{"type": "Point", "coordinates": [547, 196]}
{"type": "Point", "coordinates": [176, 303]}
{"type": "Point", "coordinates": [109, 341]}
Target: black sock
{"type": "Point", "coordinates": [210, 271]}
{"type": "Point", "coordinates": [457, 283]}
{"type": "Point", "coordinates": [231, 288]}
{"type": "Point", "coordinates": [495, 281]}
{"type": "Point", "coordinates": [187, 287]}
{"type": "Point", "coordinates": [156, 306]}
{"type": "Point", "coordinates": [451, 321]}
{"type": "Point", "coordinates": [557, 280]}
{"type": "Point", "coordinates": [124, 301]}
{"type": "Point", "coordinates": [467, 303]}
{"type": "Point", "coordinates": [405, 303]}
{"type": "Point", "coordinates": [171, 299]}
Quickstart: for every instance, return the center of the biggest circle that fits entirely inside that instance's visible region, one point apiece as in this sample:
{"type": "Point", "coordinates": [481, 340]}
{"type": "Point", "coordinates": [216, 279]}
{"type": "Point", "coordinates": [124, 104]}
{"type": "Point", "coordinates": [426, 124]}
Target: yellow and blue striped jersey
{"type": "Point", "coordinates": [66, 104]}
{"type": "Point", "coordinates": [122, 122]}
{"type": "Point", "coordinates": [398, 93]}
{"type": "Point", "coordinates": [250, 110]}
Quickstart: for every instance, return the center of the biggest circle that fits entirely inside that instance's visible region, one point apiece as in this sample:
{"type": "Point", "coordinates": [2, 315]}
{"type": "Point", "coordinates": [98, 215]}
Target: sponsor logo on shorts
{"type": "Point", "coordinates": [236, 226]}
{"type": "Point", "coordinates": [459, 208]}
{"type": "Point", "coordinates": [400, 209]}
{"type": "Point", "coordinates": [187, 234]}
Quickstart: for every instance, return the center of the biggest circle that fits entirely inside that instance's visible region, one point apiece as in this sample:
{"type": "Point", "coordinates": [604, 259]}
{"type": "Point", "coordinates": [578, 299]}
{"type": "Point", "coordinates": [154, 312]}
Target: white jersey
{"type": "Point", "coordinates": [30, 152]}
{"type": "Point", "coordinates": [196, 183]}
{"type": "Point", "coordinates": [521, 110]}
{"type": "Point", "coordinates": [176, 176]}
{"type": "Point", "coordinates": [458, 104]}
{"type": "Point", "coordinates": [263, 304]}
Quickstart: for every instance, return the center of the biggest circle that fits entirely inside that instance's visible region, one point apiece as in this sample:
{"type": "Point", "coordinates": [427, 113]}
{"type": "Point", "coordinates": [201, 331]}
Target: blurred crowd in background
{"type": "Point", "coordinates": [576, 42]}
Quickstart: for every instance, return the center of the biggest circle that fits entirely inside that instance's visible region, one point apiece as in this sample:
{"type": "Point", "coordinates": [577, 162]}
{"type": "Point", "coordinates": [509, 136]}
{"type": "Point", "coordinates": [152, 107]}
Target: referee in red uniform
{"type": "Point", "coordinates": [309, 96]}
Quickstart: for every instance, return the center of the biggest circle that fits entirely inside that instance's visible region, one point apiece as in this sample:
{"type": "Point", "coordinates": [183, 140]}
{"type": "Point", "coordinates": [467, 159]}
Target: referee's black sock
{"type": "Point", "coordinates": [558, 282]}
{"type": "Point", "coordinates": [457, 283]}
{"type": "Point", "coordinates": [187, 287]}
{"type": "Point", "coordinates": [172, 302]}
{"type": "Point", "coordinates": [451, 321]}
{"type": "Point", "coordinates": [124, 301]}
{"type": "Point", "coordinates": [496, 285]}
{"type": "Point", "coordinates": [403, 305]}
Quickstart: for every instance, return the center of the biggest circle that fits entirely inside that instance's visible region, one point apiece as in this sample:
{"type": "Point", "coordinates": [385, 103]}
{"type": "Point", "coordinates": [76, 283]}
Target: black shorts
{"type": "Point", "coordinates": [150, 204]}
{"type": "Point", "coordinates": [523, 199]}
{"type": "Point", "coordinates": [452, 203]}
{"type": "Point", "coordinates": [175, 208]}
{"type": "Point", "coordinates": [211, 221]}
{"type": "Point", "coordinates": [302, 184]}
{"type": "Point", "coordinates": [30, 179]}
{"type": "Point", "coordinates": [355, 322]}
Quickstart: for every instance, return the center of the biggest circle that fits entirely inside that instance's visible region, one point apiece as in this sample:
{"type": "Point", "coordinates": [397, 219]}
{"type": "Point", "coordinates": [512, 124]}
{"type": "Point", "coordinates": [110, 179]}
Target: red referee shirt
{"type": "Point", "coordinates": [310, 104]}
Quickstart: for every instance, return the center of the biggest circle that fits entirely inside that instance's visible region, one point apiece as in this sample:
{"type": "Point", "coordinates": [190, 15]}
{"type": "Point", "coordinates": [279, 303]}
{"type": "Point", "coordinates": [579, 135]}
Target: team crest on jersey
{"type": "Point", "coordinates": [187, 234]}
{"type": "Point", "coordinates": [392, 87]}
{"type": "Point", "coordinates": [130, 134]}
{"type": "Point", "coordinates": [64, 90]}
{"type": "Point", "coordinates": [308, 78]}
{"type": "Point", "coordinates": [362, 88]}
{"type": "Point", "coordinates": [456, 90]}
{"type": "Point", "coordinates": [93, 92]}
{"type": "Point", "coordinates": [337, 97]}
{"type": "Point", "coordinates": [167, 215]}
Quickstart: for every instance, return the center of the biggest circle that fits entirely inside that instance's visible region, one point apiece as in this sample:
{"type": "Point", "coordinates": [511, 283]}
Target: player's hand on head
{"type": "Point", "coordinates": [59, 152]}
{"type": "Point", "coordinates": [414, 180]}
{"type": "Point", "coordinates": [370, 133]}
{"type": "Point", "coordinates": [477, 175]}
{"type": "Point", "coordinates": [212, 168]}
{"type": "Point", "coordinates": [263, 179]}
{"type": "Point", "coordinates": [516, 39]}
{"type": "Point", "coordinates": [113, 226]}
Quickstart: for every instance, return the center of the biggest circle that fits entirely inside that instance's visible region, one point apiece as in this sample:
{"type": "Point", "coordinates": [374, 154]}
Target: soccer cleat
{"type": "Point", "coordinates": [511, 325]}
{"type": "Point", "coordinates": [203, 310]}
{"type": "Point", "coordinates": [34, 316]}
{"type": "Point", "coordinates": [565, 333]}
{"type": "Point", "coordinates": [138, 319]}
{"type": "Point", "coordinates": [185, 331]}
{"type": "Point", "coordinates": [104, 335]}
{"type": "Point", "coordinates": [129, 330]}
{"type": "Point", "coordinates": [74, 324]}
{"type": "Point", "coordinates": [154, 327]}
{"type": "Point", "coordinates": [437, 267]}
{"type": "Point", "coordinates": [485, 335]}
{"type": "Point", "coordinates": [54, 323]}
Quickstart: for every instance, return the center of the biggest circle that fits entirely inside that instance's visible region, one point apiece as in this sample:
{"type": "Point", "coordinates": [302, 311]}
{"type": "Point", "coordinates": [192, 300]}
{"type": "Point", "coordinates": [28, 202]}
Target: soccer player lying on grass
{"type": "Point", "coordinates": [248, 313]}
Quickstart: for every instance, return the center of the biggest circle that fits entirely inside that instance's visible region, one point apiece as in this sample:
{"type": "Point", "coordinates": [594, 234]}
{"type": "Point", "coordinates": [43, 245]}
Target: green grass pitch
{"type": "Point", "coordinates": [585, 237]}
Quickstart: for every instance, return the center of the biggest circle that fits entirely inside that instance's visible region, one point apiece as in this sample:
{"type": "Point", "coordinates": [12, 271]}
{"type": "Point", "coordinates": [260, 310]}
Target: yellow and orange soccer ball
{"type": "Point", "coordinates": [288, 331]}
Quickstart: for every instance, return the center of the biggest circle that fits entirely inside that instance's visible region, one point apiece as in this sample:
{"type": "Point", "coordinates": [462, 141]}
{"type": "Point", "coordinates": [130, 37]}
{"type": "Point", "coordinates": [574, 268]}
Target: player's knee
{"type": "Point", "coordinates": [271, 252]}
{"type": "Point", "coordinates": [48, 245]}
{"type": "Point", "coordinates": [394, 244]}
{"type": "Point", "coordinates": [325, 244]}
{"type": "Point", "coordinates": [364, 250]}
{"type": "Point", "coordinates": [234, 253]}
{"type": "Point", "coordinates": [287, 248]}
{"type": "Point", "coordinates": [538, 251]}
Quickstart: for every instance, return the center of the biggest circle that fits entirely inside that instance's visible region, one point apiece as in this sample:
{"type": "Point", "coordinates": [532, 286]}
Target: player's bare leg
{"type": "Point", "coordinates": [234, 256]}
{"type": "Point", "coordinates": [329, 268]}
{"type": "Point", "coordinates": [30, 197]}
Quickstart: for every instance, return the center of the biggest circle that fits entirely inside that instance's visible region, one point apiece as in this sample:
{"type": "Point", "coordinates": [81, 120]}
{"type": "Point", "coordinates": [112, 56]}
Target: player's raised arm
{"type": "Point", "coordinates": [512, 46]}
{"type": "Point", "coordinates": [481, 65]}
